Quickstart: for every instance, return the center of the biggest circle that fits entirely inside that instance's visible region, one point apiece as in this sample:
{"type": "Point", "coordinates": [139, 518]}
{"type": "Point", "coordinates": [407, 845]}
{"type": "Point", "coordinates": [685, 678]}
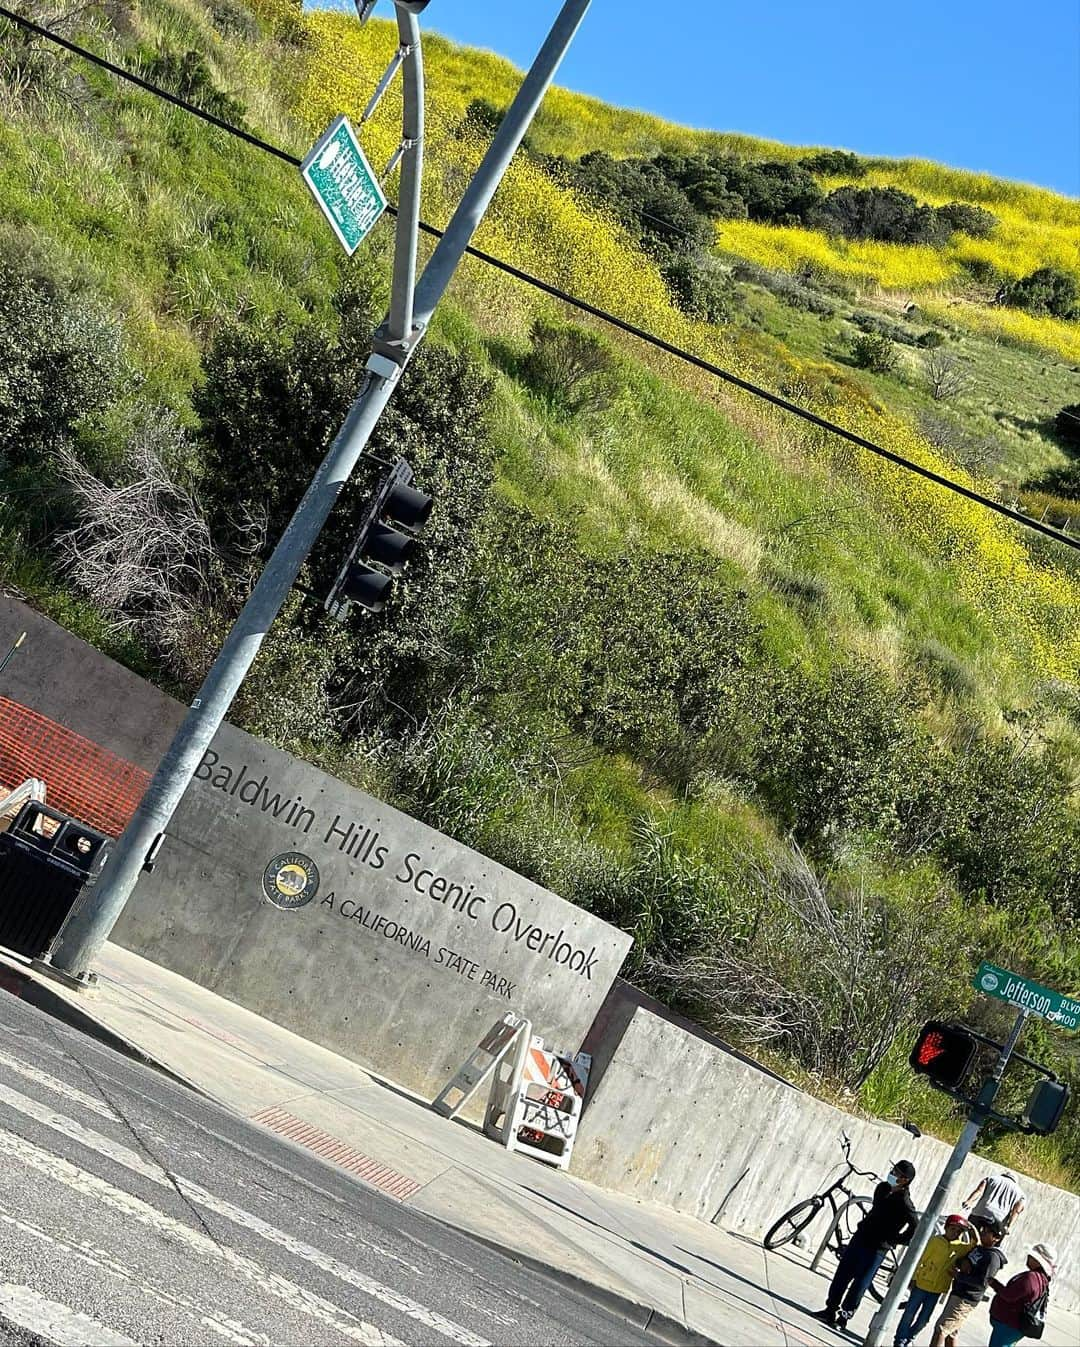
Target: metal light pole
{"type": "Point", "coordinates": [89, 924]}
{"type": "Point", "coordinates": [977, 1115]}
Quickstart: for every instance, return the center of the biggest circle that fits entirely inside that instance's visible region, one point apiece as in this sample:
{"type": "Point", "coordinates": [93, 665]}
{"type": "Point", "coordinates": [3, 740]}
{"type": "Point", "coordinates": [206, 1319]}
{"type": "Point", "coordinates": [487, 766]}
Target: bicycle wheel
{"type": "Point", "coordinates": [792, 1223]}
{"type": "Point", "coordinates": [851, 1213]}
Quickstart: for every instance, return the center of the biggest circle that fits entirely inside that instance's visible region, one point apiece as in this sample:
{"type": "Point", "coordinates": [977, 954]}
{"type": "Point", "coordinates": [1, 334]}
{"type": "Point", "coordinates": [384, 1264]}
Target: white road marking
{"type": "Point", "coordinates": [354, 1237]}
{"type": "Point", "coordinates": [89, 1185]}
{"type": "Point", "coordinates": [90, 1102]}
{"type": "Point", "coordinates": [57, 1323]}
{"type": "Point", "coordinates": [75, 1131]}
{"type": "Point", "coordinates": [123, 1155]}
{"type": "Point", "coordinates": [103, 1261]}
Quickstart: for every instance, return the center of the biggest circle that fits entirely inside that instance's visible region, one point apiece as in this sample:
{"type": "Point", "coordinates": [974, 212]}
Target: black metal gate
{"type": "Point", "coordinates": [46, 860]}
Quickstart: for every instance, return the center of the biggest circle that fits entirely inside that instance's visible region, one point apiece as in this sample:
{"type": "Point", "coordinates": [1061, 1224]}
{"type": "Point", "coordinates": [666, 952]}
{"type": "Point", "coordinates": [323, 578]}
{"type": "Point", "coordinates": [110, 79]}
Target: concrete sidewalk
{"type": "Point", "coordinates": [685, 1279]}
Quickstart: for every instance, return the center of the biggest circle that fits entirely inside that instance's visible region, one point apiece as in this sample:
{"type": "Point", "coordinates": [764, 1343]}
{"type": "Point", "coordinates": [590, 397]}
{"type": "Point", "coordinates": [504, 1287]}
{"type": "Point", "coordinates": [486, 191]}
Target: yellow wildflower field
{"type": "Point", "coordinates": [545, 229]}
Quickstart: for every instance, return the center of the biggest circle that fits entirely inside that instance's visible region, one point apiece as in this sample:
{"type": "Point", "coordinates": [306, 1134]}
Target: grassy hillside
{"type": "Point", "coordinates": [805, 725]}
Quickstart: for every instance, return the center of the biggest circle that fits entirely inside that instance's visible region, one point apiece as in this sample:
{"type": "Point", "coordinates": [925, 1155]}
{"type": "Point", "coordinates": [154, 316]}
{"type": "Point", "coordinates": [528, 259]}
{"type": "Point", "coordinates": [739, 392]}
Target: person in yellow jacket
{"type": "Point", "coordinates": [933, 1276]}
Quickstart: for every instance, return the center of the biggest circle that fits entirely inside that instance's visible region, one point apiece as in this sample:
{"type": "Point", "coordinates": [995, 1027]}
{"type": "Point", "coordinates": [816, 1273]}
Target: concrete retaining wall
{"type": "Point", "coordinates": [677, 1120]}
{"type": "Point", "coordinates": [316, 905]}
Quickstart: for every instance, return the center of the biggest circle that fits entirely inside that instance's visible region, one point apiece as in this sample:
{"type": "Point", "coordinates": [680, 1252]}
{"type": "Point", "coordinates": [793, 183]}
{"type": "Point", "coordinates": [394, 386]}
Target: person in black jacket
{"type": "Point", "coordinates": [891, 1220]}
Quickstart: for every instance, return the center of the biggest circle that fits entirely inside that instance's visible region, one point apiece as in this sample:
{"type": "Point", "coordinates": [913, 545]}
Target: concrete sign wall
{"type": "Point", "coordinates": [318, 906]}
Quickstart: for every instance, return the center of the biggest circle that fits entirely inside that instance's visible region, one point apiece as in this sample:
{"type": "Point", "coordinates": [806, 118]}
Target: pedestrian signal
{"type": "Point", "coordinates": [1044, 1108]}
{"type": "Point", "coordinates": [944, 1053]}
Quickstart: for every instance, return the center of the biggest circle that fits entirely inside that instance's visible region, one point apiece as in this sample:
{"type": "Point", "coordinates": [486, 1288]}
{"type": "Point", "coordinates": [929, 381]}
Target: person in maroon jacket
{"type": "Point", "coordinates": [1019, 1292]}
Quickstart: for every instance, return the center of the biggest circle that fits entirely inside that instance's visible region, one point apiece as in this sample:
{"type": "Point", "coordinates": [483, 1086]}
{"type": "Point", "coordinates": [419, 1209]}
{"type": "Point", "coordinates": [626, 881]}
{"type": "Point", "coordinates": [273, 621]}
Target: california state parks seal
{"type": "Point", "coordinates": [291, 880]}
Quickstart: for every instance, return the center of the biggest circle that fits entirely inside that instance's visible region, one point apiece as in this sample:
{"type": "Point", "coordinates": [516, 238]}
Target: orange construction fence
{"type": "Point", "coordinates": [81, 779]}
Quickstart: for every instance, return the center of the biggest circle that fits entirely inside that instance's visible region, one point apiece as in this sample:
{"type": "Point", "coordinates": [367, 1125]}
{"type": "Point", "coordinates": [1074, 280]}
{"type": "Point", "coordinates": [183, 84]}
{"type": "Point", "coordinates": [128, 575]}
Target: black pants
{"type": "Point", "coordinates": [854, 1273]}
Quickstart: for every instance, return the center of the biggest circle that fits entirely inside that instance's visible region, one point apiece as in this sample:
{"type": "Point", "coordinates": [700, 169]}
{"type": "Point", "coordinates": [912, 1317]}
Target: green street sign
{"type": "Point", "coordinates": [341, 181]}
{"type": "Point", "coordinates": [1030, 996]}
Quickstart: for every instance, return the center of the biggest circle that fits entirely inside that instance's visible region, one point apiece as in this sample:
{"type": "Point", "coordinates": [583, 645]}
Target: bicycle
{"type": "Point", "coordinates": [846, 1215]}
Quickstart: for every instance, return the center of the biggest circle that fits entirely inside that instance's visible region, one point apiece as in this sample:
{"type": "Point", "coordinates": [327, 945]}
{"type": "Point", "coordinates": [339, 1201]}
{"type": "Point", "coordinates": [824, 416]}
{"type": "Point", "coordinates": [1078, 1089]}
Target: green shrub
{"type": "Point", "coordinates": [482, 118]}
{"type": "Point", "coordinates": [838, 753]}
{"type": "Point", "coordinates": [187, 74]}
{"type": "Point", "coordinates": [269, 407]}
{"type": "Point", "coordinates": [873, 351]}
{"type": "Point", "coordinates": [61, 361]}
{"type": "Point", "coordinates": [234, 19]}
{"type": "Point", "coordinates": [960, 218]}
{"type": "Point", "coordinates": [1067, 425]}
{"type": "Point", "coordinates": [981, 270]}
{"type": "Point", "coordinates": [1062, 482]}
{"type": "Point", "coordinates": [775, 193]}
{"type": "Point", "coordinates": [656, 210]}
{"type": "Point", "coordinates": [700, 287]}
{"type": "Point", "coordinates": [795, 294]}
{"type": "Point", "coordinates": [705, 181]}
{"type": "Point", "coordinates": [570, 365]}
{"type": "Point", "coordinates": [876, 322]}
{"type": "Point", "coordinates": [1045, 291]}
{"type": "Point", "coordinates": [647, 653]}
{"type": "Point", "coordinates": [834, 164]}
{"type": "Point", "coordinates": [1000, 820]}
{"type": "Point", "coordinates": [883, 213]}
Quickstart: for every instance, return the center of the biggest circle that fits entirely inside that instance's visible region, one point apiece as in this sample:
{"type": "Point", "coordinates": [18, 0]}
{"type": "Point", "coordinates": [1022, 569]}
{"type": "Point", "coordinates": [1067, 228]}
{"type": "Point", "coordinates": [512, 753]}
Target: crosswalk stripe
{"type": "Point", "coordinates": [56, 1323]}
{"type": "Point", "coordinates": [298, 1297]}
{"type": "Point", "coordinates": [60, 1087]}
{"type": "Point", "coordinates": [75, 1131]}
{"type": "Point", "coordinates": [103, 1261]}
{"type": "Point", "coordinates": [123, 1155]}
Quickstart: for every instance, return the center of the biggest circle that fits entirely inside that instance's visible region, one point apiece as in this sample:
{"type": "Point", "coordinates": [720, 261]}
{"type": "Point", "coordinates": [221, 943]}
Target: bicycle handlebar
{"type": "Point", "coordinates": [845, 1146]}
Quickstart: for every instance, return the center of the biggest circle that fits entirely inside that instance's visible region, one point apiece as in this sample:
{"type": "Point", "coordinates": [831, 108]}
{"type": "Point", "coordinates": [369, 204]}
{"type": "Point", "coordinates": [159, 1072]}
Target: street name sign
{"type": "Point", "coordinates": [341, 180]}
{"type": "Point", "coordinates": [1027, 995]}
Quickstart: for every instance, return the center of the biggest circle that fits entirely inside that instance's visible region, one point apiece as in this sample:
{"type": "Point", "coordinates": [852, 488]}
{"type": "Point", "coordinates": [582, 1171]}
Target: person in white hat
{"type": "Point", "coordinates": [1023, 1299]}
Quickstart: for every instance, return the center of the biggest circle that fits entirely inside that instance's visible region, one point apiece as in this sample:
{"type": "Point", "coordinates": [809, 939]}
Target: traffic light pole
{"type": "Point", "coordinates": [977, 1115]}
{"type": "Point", "coordinates": [93, 918]}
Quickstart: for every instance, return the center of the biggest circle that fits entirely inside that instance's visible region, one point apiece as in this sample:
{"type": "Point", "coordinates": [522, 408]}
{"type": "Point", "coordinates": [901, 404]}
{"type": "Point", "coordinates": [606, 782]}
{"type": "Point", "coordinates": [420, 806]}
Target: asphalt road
{"type": "Point", "coordinates": [134, 1211]}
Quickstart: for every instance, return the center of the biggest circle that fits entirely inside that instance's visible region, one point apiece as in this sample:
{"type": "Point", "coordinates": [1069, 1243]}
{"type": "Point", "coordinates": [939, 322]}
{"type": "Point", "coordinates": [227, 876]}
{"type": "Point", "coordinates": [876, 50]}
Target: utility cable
{"type": "Point", "coordinates": [582, 305]}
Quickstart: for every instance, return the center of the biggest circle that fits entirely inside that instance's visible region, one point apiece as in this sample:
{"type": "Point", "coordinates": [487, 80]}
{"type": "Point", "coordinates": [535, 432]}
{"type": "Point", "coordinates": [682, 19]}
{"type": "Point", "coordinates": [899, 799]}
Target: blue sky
{"type": "Point", "coordinates": [980, 84]}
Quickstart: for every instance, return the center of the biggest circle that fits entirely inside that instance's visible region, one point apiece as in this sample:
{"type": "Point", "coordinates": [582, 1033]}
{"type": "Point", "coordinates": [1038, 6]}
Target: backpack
{"type": "Point", "coordinates": [1033, 1316]}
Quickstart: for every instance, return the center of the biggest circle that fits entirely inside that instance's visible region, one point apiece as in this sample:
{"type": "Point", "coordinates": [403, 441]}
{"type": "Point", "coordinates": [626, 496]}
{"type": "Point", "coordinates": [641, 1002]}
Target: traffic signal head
{"type": "Point", "coordinates": [384, 546]}
{"type": "Point", "coordinates": [407, 506]}
{"type": "Point", "coordinates": [1044, 1107]}
{"type": "Point", "coordinates": [944, 1053]}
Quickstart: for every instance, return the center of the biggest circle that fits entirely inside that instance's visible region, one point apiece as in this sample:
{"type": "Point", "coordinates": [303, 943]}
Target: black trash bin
{"type": "Point", "coordinates": [46, 860]}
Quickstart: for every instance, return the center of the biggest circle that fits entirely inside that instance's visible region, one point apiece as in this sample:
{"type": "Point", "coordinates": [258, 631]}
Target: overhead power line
{"type": "Point", "coordinates": [574, 301]}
